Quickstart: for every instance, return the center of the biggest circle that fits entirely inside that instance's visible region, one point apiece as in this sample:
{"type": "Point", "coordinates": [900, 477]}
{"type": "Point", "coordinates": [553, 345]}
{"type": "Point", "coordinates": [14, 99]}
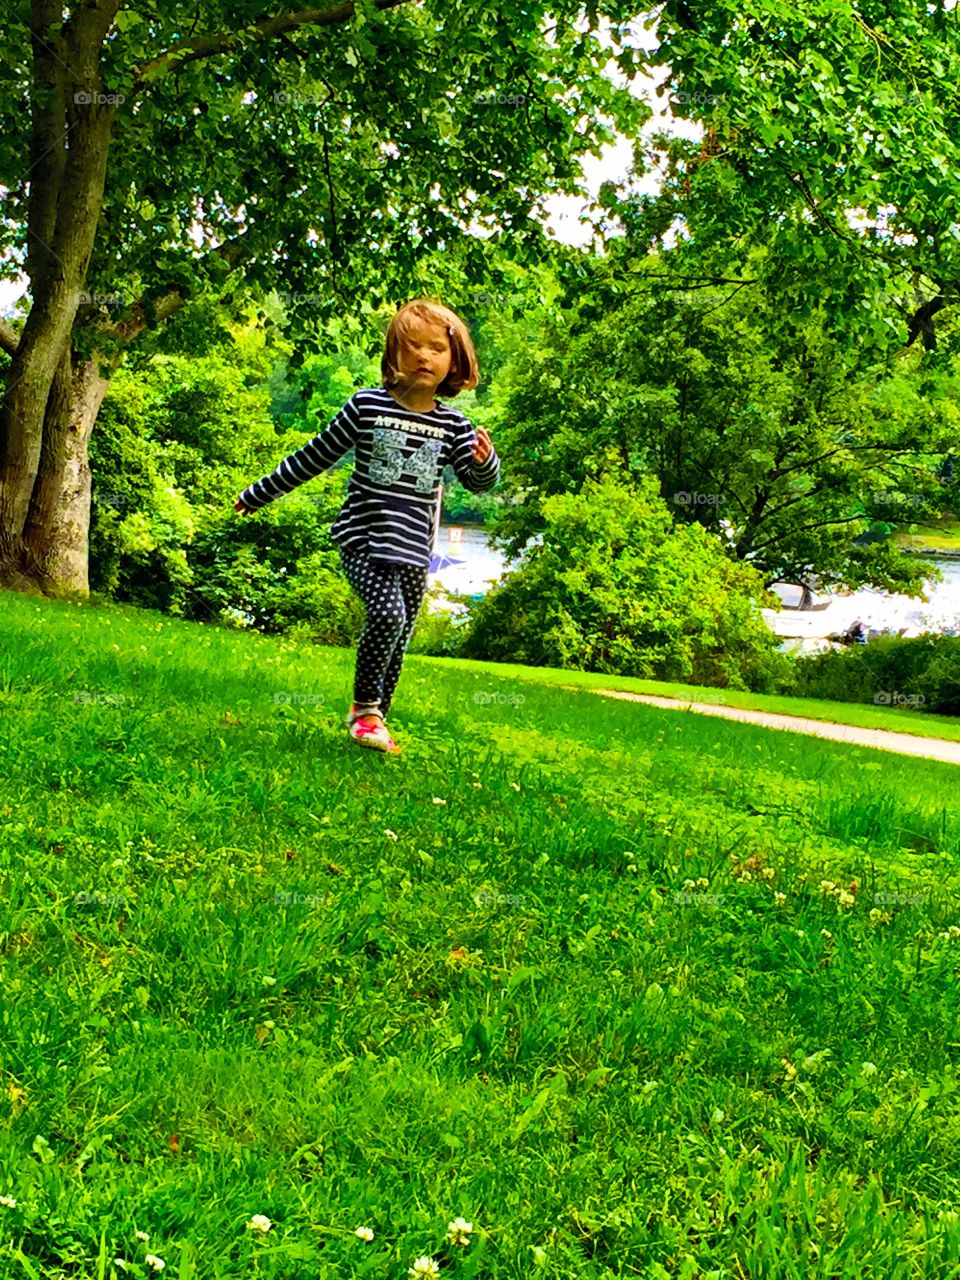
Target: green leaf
{"type": "Point", "coordinates": [558, 1085]}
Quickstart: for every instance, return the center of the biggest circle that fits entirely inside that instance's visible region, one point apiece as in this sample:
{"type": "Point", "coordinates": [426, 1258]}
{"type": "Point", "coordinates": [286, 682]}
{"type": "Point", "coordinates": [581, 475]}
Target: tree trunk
{"type": "Point", "coordinates": [43, 427]}
{"type": "Point", "coordinates": [58, 525]}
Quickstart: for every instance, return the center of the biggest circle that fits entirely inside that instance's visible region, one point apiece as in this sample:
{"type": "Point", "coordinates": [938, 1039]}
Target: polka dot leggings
{"type": "Point", "coordinates": [392, 595]}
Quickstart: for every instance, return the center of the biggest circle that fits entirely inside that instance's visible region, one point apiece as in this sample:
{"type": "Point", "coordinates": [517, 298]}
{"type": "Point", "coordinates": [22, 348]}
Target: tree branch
{"type": "Point", "coordinates": [167, 304]}
{"type": "Point", "coordinates": [266, 29]}
{"type": "Point", "coordinates": [922, 323]}
{"type": "Point", "coordinates": [789, 533]}
{"type": "Point", "coordinates": [9, 338]}
{"type": "Point", "coordinates": [807, 462]}
{"type": "Point", "coordinates": [47, 138]}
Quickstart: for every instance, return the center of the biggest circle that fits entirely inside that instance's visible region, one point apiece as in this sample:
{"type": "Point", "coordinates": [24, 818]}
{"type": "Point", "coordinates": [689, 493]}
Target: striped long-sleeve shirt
{"type": "Point", "coordinates": [392, 509]}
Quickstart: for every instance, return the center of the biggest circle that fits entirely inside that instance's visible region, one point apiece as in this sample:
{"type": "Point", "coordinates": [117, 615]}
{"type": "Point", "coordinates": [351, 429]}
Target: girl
{"type": "Point", "coordinates": [387, 528]}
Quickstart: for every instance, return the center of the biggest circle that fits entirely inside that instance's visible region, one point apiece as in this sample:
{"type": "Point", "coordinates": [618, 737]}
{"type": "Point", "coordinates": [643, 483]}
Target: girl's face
{"type": "Point", "coordinates": [424, 355]}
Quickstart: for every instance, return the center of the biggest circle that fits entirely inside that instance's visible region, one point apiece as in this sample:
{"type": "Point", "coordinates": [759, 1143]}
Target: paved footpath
{"type": "Point", "coordinates": [907, 744]}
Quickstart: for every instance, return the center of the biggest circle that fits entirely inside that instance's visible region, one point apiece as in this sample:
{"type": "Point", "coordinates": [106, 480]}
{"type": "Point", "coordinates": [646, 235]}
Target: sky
{"type": "Point", "coordinates": [563, 212]}
{"type": "Point", "coordinates": [617, 158]}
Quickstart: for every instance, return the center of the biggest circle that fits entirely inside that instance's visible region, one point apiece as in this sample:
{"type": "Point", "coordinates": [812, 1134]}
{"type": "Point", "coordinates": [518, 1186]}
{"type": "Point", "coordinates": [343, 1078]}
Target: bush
{"type": "Point", "coordinates": [439, 633]}
{"type": "Point", "coordinates": [278, 568]}
{"type": "Point", "coordinates": [176, 442]}
{"type": "Point", "coordinates": [922, 672]}
{"type": "Point", "coordinates": [616, 587]}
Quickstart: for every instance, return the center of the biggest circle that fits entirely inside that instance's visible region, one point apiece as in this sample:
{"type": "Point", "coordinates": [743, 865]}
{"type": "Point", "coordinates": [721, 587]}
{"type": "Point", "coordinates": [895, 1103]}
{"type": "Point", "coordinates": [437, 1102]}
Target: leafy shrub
{"type": "Point", "coordinates": [615, 586]}
{"type": "Point", "coordinates": [440, 633]}
{"type": "Point", "coordinates": [922, 671]}
{"type": "Point", "coordinates": [176, 442]}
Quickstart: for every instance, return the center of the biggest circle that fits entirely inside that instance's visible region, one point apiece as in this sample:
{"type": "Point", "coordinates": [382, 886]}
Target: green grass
{"type": "Point", "coordinates": [510, 1009]}
{"type": "Point", "coordinates": [863, 715]}
{"type": "Point", "coordinates": [935, 535]}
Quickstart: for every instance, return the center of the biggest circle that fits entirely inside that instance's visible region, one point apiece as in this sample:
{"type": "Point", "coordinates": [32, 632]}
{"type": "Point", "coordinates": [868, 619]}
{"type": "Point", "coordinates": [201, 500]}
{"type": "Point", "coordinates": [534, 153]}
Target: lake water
{"type": "Point", "coordinates": [480, 563]}
{"type": "Point", "coordinates": [802, 631]}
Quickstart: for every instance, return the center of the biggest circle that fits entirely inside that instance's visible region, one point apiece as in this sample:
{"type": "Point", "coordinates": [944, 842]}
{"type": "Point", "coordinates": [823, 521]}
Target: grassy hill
{"type": "Point", "coordinates": [895, 718]}
{"type": "Point", "coordinates": [565, 969]}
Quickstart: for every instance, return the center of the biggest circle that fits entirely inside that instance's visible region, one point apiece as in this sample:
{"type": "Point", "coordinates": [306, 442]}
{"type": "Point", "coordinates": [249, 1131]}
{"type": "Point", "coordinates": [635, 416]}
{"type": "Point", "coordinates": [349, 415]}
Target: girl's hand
{"type": "Point", "coordinates": [244, 511]}
{"type": "Point", "coordinates": [484, 446]}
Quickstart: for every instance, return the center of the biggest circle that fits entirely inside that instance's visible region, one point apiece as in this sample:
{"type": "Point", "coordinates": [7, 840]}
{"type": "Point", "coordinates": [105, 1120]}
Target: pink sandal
{"type": "Point", "coordinates": [372, 735]}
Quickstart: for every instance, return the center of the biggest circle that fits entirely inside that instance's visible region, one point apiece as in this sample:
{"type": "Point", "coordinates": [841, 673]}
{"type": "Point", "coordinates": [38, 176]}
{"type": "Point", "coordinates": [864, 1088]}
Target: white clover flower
{"type": "Point", "coordinates": [424, 1269]}
{"type": "Point", "coordinates": [827, 886]}
{"type": "Point", "coordinates": [458, 1231]}
{"type": "Point", "coordinates": [364, 1233]}
{"type": "Point", "coordinates": [392, 834]}
{"type": "Point", "coordinates": [8, 1202]}
{"type": "Point", "coordinates": [779, 898]}
{"type": "Point", "coordinates": [768, 873]}
{"type": "Point", "coordinates": [846, 899]}
{"type": "Point", "coordinates": [689, 884]}
{"type": "Point", "coordinates": [868, 1069]}
{"type": "Point", "coordinates": [826, 934]}
{"type": "Point", "coordinates": [259, 1222]}
{"type": "Point", "coordinates": [437, 800]}
{"type": "Point", "coordinates": [142, 1235]}
{"type": "Point", "coordinates": [153, 1261]}
{"type": "Point", "coordinates": [745, 877]}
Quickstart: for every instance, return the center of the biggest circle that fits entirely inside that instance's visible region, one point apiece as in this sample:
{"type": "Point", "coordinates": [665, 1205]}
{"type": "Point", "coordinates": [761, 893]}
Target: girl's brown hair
{"type": "Point", "coordinates": [464, 372]}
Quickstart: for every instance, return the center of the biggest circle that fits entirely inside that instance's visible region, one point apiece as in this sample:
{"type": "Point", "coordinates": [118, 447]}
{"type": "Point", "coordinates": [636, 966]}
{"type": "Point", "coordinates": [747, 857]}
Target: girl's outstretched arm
{"type": "Point", "coordinates": [315, 456]}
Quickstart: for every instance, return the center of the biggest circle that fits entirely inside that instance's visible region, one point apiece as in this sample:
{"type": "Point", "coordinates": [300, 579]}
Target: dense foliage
{"type": "Point", "coordinates": [790, 449]}
{"type": "Point", "coordinates": [616, 586]}
{"type": "Point", "coordinates": [922, 672]}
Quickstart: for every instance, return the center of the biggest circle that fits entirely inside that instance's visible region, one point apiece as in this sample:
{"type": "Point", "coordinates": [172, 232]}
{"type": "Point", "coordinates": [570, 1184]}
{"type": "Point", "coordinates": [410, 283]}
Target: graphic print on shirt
{"type": "Point", "coordinates": [388, 462]}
